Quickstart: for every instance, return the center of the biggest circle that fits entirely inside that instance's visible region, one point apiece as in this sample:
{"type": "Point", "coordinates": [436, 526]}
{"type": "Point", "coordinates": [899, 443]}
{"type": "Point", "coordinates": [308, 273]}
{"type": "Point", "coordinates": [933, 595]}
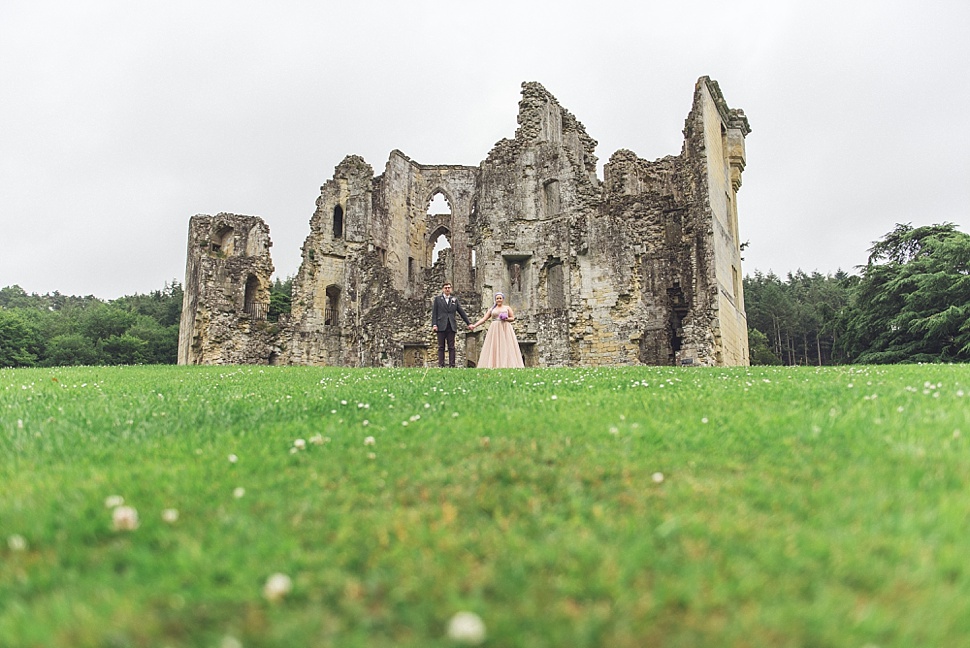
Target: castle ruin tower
{"type": "Point", "coordinates": [227, 287]}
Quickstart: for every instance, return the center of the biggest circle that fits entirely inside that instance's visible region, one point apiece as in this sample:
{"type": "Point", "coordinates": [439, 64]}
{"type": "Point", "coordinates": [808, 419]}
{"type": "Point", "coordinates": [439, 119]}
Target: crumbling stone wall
{"type": "Point", "coordinates": [642, 267]}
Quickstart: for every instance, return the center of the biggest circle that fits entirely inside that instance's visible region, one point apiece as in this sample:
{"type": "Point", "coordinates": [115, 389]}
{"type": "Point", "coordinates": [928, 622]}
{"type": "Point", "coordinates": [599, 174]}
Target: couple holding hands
{"type": "Point", "coordinates": [500, 349]}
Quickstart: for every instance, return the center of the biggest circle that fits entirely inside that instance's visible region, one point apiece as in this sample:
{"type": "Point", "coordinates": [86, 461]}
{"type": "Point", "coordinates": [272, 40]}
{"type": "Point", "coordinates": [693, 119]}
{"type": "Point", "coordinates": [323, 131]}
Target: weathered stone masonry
{"type": "Point", "coordinates": [641, 267]}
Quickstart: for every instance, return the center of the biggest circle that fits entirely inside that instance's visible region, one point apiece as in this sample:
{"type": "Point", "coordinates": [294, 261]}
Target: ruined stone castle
{"type": "Point", "coordinates": [642, 266]}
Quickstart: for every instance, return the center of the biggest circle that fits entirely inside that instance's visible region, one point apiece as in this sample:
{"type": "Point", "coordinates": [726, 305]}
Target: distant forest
{"type": "Point", "coordinates": [56, 330]}
{"type": "Point", "coordinates": [909, 303]}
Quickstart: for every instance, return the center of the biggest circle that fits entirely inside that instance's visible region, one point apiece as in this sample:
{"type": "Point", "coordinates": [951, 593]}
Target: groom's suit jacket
{"type": "Point", "coordinates": [443, 313]}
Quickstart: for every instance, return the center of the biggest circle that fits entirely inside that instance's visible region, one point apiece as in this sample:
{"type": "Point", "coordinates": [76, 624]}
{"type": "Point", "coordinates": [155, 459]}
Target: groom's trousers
{"type": "Point", "coordinates": [448, 336]}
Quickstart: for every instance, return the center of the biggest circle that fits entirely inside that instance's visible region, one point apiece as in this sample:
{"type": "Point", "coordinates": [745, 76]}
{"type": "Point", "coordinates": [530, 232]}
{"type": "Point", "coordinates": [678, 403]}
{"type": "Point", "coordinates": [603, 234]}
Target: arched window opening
{"type": "Point", "coordinates": [338, 222]}
{"type": "Point", "coordinates": [222, 240]}
{"type": "Point", "coordinates": [333, 302]}
{"type": "Point", "coordinates": [439, 205]}
{"type": "Point", "coordinates": [440, 243]}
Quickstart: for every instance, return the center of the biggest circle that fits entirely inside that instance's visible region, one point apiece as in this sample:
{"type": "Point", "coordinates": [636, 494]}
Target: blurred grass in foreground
{"type": "Point", "coordinates": [619, 507]}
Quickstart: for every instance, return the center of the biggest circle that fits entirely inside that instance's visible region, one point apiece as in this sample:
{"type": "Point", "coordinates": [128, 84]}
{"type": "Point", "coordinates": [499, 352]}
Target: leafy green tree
{"type": "Point", "coordinates": [912, 303]}
{"type": "Point", "coordinates": [106, 320]}
{"type": "Point", "coordinates": [18, 340]}
{"type": "Point", "coordinates": [161, 341]}
{"type": "Point", "coordinates": [759, 350]}
{"type": "Point", "coordinates": [71, 349]}
{"type": "Point", "coordinates": [124, 349]}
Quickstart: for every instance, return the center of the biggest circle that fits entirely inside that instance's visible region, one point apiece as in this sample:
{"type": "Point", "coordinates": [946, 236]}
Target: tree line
{"type": "Point", "coordinates": [909, 303]}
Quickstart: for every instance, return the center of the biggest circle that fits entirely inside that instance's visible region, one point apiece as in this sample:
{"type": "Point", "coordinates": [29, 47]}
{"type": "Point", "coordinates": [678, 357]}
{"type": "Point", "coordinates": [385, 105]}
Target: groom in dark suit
{"type": "Point", "coordinates": [443, 309]}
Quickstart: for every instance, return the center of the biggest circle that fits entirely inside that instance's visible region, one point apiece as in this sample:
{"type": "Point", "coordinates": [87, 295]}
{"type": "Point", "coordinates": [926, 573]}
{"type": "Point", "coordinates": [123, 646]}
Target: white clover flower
{"type": "Point", "coordinates": [229, 641]}
{"type": "Point", "coordinates": [17, 542]}
{"type": "Point", "coordinates": [454, 415]}
{"type": "Point", "coordinates": [657, 477]}
{"type": "Point", "coordinates": [20, 424]}
{"type": "Point", "coordinates": [124, 518]}
{"type": "Point", "coordinates": [238, 492]}
{"type": "Point", "coordinates": [704, 420]}
{"type": "Point", "coordinates": [316, 439]}
{"type": "Point", "coordinates": [365, 422]}
{"type": "Point", "coordinates": [614, 430]}
{"type": "Point", "coordinates": [233, 458]}
{"type": "Point", "coordinates": [369, 441]}
{"type": "Point", "coordinates": [467, 628]}
{"type": "Point", "coordinates": [371, 455]}
{"type": "Point", "coordinates": [113, 501]}
{"type": "Point", "coordinates": [553, 397]}
{"type": "Point", "coordinates": [299, 444]}
{"type": "Point", "coordinates": [277, 586]}
{"type": "Point", "coordinates": [170, 515]}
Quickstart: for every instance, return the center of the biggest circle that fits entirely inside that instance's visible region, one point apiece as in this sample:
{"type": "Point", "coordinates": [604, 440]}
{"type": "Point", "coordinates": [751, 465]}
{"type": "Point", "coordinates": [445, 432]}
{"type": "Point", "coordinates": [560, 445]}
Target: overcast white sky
{"type": "Point", "coordinates": [120, 120]}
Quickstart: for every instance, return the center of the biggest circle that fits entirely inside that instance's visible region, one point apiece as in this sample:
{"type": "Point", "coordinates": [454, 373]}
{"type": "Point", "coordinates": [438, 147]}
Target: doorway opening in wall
{"type": "Point", "coordinates": [251, 307]}
{"type": "Point", "coordinates": [333, 302]}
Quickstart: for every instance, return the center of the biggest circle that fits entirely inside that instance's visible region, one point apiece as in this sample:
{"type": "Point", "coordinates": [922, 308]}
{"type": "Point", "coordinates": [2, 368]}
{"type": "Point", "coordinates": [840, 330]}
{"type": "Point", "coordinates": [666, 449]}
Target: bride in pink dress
{"type": "Point", "coordinates": [501, 348]}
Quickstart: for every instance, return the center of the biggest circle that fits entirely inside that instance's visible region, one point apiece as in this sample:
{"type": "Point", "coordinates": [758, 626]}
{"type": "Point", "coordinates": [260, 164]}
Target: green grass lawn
{"type": "Point", "coordinates": [620, 507]}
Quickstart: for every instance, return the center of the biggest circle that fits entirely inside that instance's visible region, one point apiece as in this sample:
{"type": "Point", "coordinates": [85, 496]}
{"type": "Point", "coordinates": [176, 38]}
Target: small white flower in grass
{"type": "Point", "coordinates": [277, 586]}
{"type": "Point", "coordinates": [657, 477]}
{"type": "Point", "coordinates": [365, 422]}
{"type": "Point", "coordinates": [416, 417]}
{"type": "Point", "coordinates": [454, 415]}
{"type": "Point", "coordinates": [343, 402]}
{"type": "Point", "coordinates": [170, 515]}
{"type": "Point", "coordinates": [124, 518]}
{"type": "Point", "coordinates": [427, 405]}
{"type": "Point", "coordinates": [299, 444]}
{"type": "Point", "coordinates": [233, 458]}
{"type": "Point", "coordinates": [20, 424]}
{"type": "Point", "coordinates": [238, 492]}
{"type": "Point", "coordinates": [553, 397]}
{"type": "Point", "coordinates": [704, 420]}
{"type": "Point", "coordinates": [956, 434]}
{"type": "Point", "coordinates": [404, 423]}
{"type": "Point", "coordinates": [369, 441]}
{"type": "Point", "coordinates": [467, 628]}
{"type": "Point", "coordinates": [316, 439]}
{"type": "Point", "coordinates": [112, 501]}
{"type": "Point", "coordinates": [614, 430]}
{"type": "Point", "coordinates": [17, 542]}
{"type": "Point", "coordinates": [371, 455]}
{"type": "Point", "coordinates": [229, 641]}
